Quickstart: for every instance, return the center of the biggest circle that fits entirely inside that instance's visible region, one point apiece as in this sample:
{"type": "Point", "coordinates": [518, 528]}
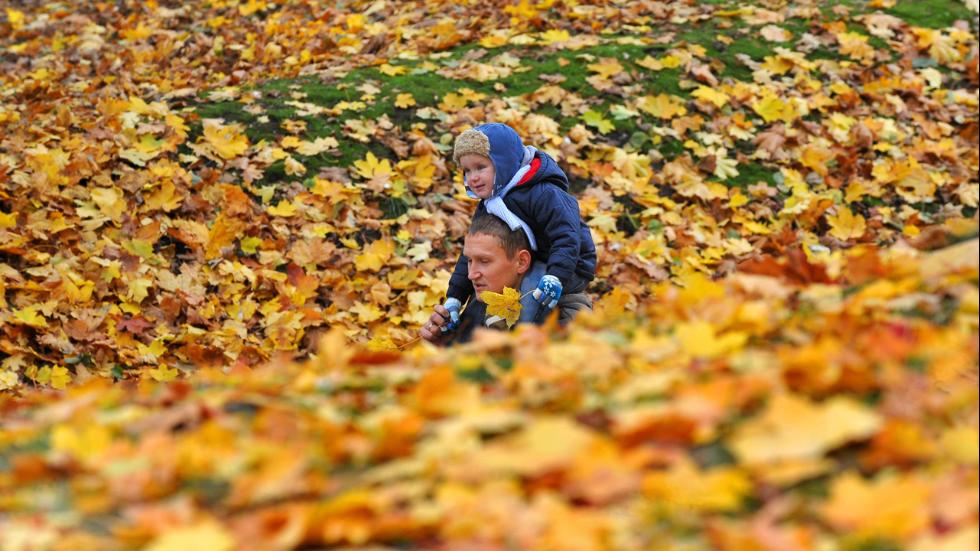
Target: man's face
{"type": "Point", "coordinates": [479, 174]}
{"type": "Point", "coordinates": [489, 267]}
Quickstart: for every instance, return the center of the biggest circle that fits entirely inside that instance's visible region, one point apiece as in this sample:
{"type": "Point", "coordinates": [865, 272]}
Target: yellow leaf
{"type": "Point", "coordinates": [228, 141]}
{"type": "Point", "coordinates": [772, 108]}
{"type": "Point", "coordinates": [284, 209]}
{"type": "Point", "coordinates": [15, 19]}
{"type": "Point", "coordinates": [685, 486]}
{"type": "Point", "coordinates": [697, 288]}
{"type": "Point", "coordinates": [206, 536]}
{"type": "Point", "coordinates": [163, 373]}
{"type": "Point", "coordinates": [294, 167]}
{"type": "Point", "coordinates": [554, 35]}
{"type": "Point", "coordinates": [547, 444]}
{"type": "Point", "coordinates": [8, 220]}
{"type": "Point", "coordinates": [711, 95]}
{"type": "Point", "coordinates": [893, 506]}
{"type": "Point", "coordinates": [699, 339]}
{"type": "Point", "coordinates": [663, 106]}
{"type": "Point", "coordinates": [507, 305]}
{"type": "Point", "coordinates": [166, 198]}
{"type": "Point", "coordinates": [86, 442]}
{"type": "Point", "coordinates": [317, 146]}
{"type": "Point", "coordinates": [60, 377]}
{"type": "Point", "coordinates": [607, 67]}
{"type": "Point", "coordinates": [846, 225]}
{"type": "Point", "coordinates": [403, 101]}
{"type": "Point", "coordinates": [393, 70]}
{"type": "Point", "coordinates": [792, 427]}
{"type": "Point", "coordinates": [110, 201]}
{"type": "Point", "coordinates": [29, 316]}
{"type": "Point", "coordinates": [375, 256]}
{"type": "Point", "coordinates": [370, 166]}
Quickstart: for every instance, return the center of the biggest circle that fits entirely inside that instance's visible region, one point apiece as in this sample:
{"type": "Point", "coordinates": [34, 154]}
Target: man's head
{"type": "Point", "coordinates": [497, 256]}
{"type": "Point", "coordinates": [489, 155]}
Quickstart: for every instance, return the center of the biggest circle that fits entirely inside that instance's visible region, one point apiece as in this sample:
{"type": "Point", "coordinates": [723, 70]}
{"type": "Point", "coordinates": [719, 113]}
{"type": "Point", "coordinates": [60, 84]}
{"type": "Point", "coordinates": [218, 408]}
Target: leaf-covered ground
{"type": "Point", "coordinates": [222, 222]}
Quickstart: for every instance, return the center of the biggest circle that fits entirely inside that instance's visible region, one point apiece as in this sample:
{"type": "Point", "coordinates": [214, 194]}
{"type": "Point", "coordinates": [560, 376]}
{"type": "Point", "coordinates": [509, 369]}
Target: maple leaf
{"type": "Point", "coordinates": [846, 225]}
{"type": "Point", "coordinates": [663, 106]}
{"type": "Point", "coordinates": [793, 427]}
{"type": "Point", "coordinates": [204, 535]}
{"type": "Point", "coordinates": [163, 373]}
{"type": "Point", "coordinates": [774, 33]}
{"type": "Point", "coordinates": [404, 100]}
{"type": "Point", "coordinates": [772, 108]}
{"type": "Point", "coordinates": [719, 99]}
{"type": "Point", "coordinates": [898, 505]}
{"type": "Point", "coordinates": [375, 256]}
{"type": "Point", "coordinates": [597, 121]}
{"type": "Point", "coordinates": [607, 67]}
{"type": "Point", "coordinates": [29, 315]}
{"type": "Point", "coordinates": [372, 167]}
{"type": "Point", "coordinates": [228, 141]}
{"type": "Point", "coordinates": [317, 146]}
{"type": "Point", "coordinates": [506, 305]}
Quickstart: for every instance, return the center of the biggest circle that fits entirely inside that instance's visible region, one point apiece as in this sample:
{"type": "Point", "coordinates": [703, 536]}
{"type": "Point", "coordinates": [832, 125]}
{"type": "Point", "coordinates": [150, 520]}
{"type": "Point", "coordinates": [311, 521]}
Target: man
{"type": "Point", "coordinates": [497, 257]}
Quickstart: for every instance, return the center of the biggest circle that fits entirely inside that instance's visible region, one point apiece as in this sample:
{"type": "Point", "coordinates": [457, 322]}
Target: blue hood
{"type": "Point", "coordinates": [506, 152]}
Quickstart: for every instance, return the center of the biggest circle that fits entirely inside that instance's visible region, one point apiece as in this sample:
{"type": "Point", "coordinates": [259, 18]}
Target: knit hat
{"type": "Point", "coordinates": [498, 142]}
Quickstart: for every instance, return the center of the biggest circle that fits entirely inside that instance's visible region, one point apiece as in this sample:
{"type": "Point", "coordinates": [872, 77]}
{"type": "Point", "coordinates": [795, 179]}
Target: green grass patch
{"type": "Point", "coordinates": [935, 14]}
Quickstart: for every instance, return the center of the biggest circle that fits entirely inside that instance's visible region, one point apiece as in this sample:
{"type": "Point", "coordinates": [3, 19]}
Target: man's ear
{"type": "Point", "coordinates": [523, 261]}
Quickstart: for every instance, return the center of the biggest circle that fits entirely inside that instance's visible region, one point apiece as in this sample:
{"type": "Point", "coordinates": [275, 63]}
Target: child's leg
{"type": "Point", "coordinates": [570, 305]}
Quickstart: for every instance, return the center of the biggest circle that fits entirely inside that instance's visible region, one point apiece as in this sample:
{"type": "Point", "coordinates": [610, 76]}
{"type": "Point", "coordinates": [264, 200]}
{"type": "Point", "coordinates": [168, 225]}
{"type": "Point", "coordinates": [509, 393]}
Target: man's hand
{"type": "Point", "coordinates": [548, 291]}
{"type": "Point", "coordinates": [453, 306]}
{"type": "Point", "coordinates": [432, 330]}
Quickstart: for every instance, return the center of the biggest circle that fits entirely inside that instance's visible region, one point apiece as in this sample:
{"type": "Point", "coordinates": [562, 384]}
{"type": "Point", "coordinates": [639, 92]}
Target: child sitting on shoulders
{"type": "Point", "coordinates": [528, 190]}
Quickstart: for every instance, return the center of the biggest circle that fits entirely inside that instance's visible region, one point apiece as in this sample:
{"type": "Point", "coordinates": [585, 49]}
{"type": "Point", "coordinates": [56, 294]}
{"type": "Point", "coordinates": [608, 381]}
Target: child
{"type": "Point", "coordinates": [528, 190]}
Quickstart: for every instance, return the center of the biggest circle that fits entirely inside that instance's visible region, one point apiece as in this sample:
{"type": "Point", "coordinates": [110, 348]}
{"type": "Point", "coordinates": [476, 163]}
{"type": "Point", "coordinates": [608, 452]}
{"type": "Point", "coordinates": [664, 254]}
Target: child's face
{"type": "Point", "coordinates": [479, 174]}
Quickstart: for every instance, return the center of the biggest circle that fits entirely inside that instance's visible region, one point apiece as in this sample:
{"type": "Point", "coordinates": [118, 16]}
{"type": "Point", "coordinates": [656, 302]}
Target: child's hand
{"type": "Point", "coordinates": [548, 291]}
{"type": "Point", "coordinates": [452, 307]}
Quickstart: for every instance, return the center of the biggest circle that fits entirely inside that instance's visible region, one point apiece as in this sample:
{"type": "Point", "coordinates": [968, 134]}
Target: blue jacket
{"type": "Point", "coordinates": [564, 242]}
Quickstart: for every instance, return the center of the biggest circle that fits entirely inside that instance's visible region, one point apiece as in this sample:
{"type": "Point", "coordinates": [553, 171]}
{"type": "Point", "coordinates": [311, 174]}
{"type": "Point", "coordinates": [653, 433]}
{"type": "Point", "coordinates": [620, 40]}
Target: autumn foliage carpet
{"type": "Point", "coordinates": [222, 222]}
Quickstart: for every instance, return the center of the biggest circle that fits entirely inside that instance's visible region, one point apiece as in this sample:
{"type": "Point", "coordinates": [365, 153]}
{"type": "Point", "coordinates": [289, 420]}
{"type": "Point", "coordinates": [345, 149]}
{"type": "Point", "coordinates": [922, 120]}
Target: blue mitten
{"type": "Point", "coordinates": [454, 306]}
{"type": "Point", "coordinates": [548, 291]}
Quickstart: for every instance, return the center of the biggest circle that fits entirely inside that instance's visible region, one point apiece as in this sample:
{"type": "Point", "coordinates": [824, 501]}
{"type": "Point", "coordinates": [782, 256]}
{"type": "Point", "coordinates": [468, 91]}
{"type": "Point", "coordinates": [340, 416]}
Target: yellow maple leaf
{"type": "Point", "coordinates": [662, 106]}
{"type": "Point", "coordinates": [792, 428]}
{"type": "Point", "coordinates": [700, 339]}
{"type": "Point", "coordinates": [207, 535]}
{"type": "Point", "coordinates": [375, 256]}
{"type": "Point", "coordinates": [554, 35]}
{"type": "Point", "coordinates": [294, 167]}
{"type": "Point", "coordinates": [685, 486]}
{"type": "Point", "coordinates": [846, 225]}
{"type": "Point", "coordinates": [163, 373]}
{"type": "Point", "coordinates": [606, 67]}
{"type": "Point", "coordinates": [507, 305]}
{"type": "Point", "coordinates": [228, 141]}
{"type": "Point", "coordinates": [110, 201]}
{"type": "Point", "coordinates": [284, 209]}
{"type": "Point", "coordinates": [8, 220]}
{"type": "Point", "coordinates": [87, 442]}
{"type": "Point", "coordinates": [15, 19]}
{"type": "Point", "coordinates": [404, 101]}
{"type": "Point", "coordinates": [711, 95]}
{"type": "Point", "coordinates": [393, 70]}
{"type": "Point", "coordinates": [772, 108]}
{"type": "Point", "coordinates": [29, 315]}
{"type": "Point", "coordinates": [889, 506]}
{"type": "Point", "coordinates": [370, 166]}
{"type": "Point", "coordinates": [60, 377]}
